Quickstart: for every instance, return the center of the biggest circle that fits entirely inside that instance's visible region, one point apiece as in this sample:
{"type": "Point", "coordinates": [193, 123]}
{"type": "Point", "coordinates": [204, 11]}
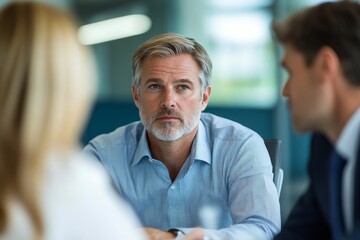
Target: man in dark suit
{"type": "Point", "coordinates": [321, 56]}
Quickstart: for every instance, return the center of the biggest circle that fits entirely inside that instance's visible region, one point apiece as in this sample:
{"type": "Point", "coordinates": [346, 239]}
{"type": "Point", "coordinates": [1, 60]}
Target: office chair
{"type": "Point", "coordinates": [273, 147]}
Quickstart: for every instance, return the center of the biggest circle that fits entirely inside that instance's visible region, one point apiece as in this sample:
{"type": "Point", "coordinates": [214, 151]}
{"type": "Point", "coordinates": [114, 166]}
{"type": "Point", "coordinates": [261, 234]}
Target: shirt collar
{"type": "Point", "coordinates": [349, 138]}
{"type": "Point", "coordinates": [201, 145]}
{"type": "Point", "coordinates": [201, 149]}
{"type": "Point", "coordinates": [142, 150]}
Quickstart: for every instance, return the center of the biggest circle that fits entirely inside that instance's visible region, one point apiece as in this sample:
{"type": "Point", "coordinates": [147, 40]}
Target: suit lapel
{"type": "Point", "coordinates": [318, 168]}
{"type": "Point", "coordinates": [355, 235]}
{"type": "Point", "coordinates": [357, 190]}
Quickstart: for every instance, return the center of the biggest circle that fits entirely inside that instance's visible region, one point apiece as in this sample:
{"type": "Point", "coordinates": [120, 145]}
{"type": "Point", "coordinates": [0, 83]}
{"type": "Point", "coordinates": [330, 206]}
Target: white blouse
{"type": "Point", "coordinates": [78, 202]}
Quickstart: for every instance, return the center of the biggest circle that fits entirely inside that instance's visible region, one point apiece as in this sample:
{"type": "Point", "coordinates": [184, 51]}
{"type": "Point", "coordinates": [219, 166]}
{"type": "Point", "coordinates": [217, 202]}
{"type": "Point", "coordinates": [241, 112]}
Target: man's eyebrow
{"type": "Point", "coordinates": [184, 80]}
{"type": "Point", "coordinates": [152, 80]}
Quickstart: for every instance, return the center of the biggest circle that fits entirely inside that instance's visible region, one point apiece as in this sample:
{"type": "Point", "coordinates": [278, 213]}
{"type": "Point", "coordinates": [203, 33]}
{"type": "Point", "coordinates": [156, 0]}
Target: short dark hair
{"type": "Point", "coordinates": [332, 24]}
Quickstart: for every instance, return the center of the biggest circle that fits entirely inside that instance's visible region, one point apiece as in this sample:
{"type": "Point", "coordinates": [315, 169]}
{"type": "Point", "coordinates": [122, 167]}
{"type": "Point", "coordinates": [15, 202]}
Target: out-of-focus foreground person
{"type": "Point", "coordinates": [47, 189]}
{"type": "Point", "coordinates": [322, 55]}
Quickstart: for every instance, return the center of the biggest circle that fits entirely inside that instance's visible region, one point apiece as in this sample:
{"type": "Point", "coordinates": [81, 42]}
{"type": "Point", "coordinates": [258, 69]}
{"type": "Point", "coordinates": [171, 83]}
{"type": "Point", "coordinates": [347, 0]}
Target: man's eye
{"type": "Point", "coordinates": [183, 87]}
{"type": "Point", "coordinates": [154, 86]}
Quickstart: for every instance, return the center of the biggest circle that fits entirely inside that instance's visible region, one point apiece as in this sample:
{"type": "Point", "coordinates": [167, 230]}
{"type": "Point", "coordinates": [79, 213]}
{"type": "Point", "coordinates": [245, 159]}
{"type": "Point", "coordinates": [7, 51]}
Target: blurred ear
{"type": "Point", "coordinates": [328, 63]}
{"type": "Point", "coordinates": [205, 97]}
{"type": "Point", "coordinates": [135, 95]}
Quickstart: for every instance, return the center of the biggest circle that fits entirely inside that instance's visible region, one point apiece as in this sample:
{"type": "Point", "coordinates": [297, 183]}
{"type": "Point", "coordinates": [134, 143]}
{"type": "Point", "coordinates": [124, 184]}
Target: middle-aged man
{"type": "Point", "coordinates": [180, 168]}
{"type": "Point", "coordinates": [322, 55]}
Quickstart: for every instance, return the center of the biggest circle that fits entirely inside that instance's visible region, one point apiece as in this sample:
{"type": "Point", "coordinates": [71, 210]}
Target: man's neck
{"type": "Point", "coordinates": [172, 154]}
{"type": "Point", "coordinates": [346, 105]}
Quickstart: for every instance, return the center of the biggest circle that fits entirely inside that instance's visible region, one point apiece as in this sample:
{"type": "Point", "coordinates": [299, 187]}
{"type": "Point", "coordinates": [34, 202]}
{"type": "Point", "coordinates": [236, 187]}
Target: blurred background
{"type": "Point", "coordinates": [246, 82]}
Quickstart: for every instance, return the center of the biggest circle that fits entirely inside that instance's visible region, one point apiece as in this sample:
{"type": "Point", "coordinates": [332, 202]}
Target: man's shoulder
{"type": "Point", "coordinates": [127, 134]}
{"type": "Point", "coordinates": [320, 151]}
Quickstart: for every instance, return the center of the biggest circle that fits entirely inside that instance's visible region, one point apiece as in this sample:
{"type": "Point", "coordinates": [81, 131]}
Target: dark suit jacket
{"type": "Point", "coordinates": [309, 217]}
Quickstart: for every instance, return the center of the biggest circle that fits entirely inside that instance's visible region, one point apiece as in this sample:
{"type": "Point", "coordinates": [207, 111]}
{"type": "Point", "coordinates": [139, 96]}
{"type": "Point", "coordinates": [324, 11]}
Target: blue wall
{"type": "Point", "coordinates": [108, 115]}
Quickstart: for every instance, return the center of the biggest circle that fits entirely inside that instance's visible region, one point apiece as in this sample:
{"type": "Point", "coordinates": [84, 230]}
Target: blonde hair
{"type": "Point", "coordinates": [46, 88]}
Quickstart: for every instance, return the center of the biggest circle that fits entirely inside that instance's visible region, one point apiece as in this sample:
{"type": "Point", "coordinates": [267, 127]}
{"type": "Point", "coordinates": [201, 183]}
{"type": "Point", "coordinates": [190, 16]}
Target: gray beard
{"type": "Point", "coordinates": [166, 132]}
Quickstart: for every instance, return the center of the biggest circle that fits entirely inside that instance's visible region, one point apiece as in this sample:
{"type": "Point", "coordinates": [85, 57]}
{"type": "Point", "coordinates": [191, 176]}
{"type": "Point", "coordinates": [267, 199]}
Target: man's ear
{"type": "Point", "coordinates": [328, 62]}
{"type": "Point", "coordinates": [135, 94]}
{"type": "Point", "coordinates": [205, 97]}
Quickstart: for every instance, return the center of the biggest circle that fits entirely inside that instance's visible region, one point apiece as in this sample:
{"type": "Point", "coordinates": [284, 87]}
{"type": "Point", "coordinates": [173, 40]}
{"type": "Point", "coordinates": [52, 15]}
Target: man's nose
{"type": "Point", "coordinates": [168, 100]}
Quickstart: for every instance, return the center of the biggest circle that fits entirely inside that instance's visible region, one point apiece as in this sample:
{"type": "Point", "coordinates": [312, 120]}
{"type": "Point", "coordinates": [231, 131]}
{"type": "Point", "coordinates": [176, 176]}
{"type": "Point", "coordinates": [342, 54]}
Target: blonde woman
{"type": "Point", "coordinates": [47, 189]}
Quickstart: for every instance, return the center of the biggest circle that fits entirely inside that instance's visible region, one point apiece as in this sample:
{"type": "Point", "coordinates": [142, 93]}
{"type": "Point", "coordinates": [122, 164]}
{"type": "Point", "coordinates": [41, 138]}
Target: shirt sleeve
{"type": "Point", "coordinates": [93, 150]}
{"type": "Point", "coordinates": [253, 198]}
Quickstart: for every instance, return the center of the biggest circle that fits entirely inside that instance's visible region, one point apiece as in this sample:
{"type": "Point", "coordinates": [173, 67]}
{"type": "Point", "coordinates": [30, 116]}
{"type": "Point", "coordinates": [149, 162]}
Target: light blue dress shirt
{"type": "Point", "coordinates": [226, 182]}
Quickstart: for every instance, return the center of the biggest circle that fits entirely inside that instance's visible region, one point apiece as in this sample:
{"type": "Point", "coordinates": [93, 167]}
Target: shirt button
{"type": "Point", "coordinates": [172, 187]}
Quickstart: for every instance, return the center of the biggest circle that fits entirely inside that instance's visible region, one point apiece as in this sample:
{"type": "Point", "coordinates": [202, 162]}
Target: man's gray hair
{"type": "Point", "coordinates": [171, 44]}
